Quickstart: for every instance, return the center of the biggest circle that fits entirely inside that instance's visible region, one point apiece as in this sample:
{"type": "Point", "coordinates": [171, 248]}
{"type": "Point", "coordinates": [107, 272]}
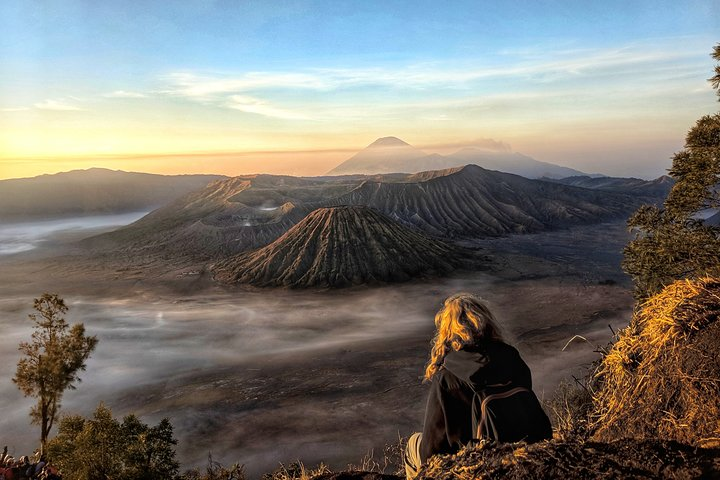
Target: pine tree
{"type": "Point", "coordinates": [673, 242]}
{"type": "Point", "coordinates": [52, 360]}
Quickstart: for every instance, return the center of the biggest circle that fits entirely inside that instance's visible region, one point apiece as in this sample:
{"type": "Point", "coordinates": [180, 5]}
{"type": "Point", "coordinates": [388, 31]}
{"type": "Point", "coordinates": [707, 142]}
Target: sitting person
{"type": "Point", "coordinates": [480, 387]}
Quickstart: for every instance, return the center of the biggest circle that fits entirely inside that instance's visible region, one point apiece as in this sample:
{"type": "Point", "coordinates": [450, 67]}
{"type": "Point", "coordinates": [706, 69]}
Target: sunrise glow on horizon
{"type": "Point", "coordinates": [297, 87]}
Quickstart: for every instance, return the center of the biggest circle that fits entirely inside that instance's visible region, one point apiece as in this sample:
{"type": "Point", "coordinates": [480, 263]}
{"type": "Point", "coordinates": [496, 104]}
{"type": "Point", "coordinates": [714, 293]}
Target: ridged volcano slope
{"type": "Point", "coordinates": [472, 201]}
{"type": "Point", "coordinates": [240, 214]}
{"type": "Point", "coordinates": [224, 218]}
{"type": "Point", "coordinates": [340, 246]}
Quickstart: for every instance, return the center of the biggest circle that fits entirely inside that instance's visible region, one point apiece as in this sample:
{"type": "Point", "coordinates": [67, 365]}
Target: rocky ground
{"type": "Point", "coordinates": [627, 459]}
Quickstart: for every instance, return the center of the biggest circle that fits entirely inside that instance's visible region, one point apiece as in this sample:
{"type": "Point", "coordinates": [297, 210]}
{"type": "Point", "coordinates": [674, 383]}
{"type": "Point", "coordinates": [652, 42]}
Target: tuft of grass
{"type": "Point", "coordinates": [296, 471]}
{"type": "Point", "coordinates": [216, 471]}
{"type": "Point", "coordinates": [390, 462]}
{"type": "Point", "coordinates": [655, 381]}
{"type": "Point", "coordinates": [570, 410]}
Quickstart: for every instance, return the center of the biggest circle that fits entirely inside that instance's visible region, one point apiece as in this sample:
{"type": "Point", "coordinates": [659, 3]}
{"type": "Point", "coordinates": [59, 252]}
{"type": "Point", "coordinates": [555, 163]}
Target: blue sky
{"type": "Point", "coordinates": [600, 86]}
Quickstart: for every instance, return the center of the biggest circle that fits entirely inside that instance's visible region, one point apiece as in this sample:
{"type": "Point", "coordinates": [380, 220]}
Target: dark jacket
{"type": "Point", "coordinates": [449, 413]}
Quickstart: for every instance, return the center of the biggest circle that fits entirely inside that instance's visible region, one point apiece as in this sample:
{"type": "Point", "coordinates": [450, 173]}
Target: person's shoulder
{"type": "Point", "coordinates": [499, 347]}
{"type": "Point", "coordinates": [474, 356]}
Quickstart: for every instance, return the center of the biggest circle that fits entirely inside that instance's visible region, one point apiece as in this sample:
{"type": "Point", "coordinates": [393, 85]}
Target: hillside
{"type": "Point", "coordinates": [661, 379]}
{"type": "Point", "coordinates": [337, 247]}
{"type": "Point", "coordinates": [391, 155]}
{"type": "Point", "coordinates": [472, 201]}
{"type": "Point", "coordinates": [224, 218]}
{"type": "Point", "coordinates": [201, 225]}
{"type": "Point", "coordinates": [93, 191]}
{"type": "Point", "coordinates": [235, 215]}
{"type": "Point", "coordinates": [658, 187]}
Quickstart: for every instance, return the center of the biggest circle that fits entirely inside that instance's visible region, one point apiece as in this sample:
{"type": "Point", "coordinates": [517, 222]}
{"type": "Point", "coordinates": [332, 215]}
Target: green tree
{"type": "Point", "coordinates": [52, 360]}
{"type": "Point", "coordinates": [102, 448]}
{"type": "Point", "coordinates": [715, 80]}
{"type": "Point", "coordinates": [673, 242]}
{"type": "Point", "coordinates": [150, 453]}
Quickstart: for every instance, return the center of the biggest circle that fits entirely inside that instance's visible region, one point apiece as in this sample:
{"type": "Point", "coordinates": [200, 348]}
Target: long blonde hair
{"type": "Point", "coordinates": [463, 320]}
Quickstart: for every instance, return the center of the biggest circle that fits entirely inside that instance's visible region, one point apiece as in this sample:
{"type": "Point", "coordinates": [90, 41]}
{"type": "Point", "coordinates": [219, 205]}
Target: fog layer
{"type": "Point", "coordinates": [23, 236]}
{"type": "Point", "coordinates": [262, 376]}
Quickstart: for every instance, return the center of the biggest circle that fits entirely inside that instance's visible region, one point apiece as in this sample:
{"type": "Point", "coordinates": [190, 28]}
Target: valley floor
{"type": "Point", "coordinates": [267, 376]}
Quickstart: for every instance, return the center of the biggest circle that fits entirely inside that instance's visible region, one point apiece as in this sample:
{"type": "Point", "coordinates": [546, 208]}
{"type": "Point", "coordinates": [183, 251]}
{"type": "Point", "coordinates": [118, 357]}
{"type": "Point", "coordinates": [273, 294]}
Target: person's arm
{"type": "Point", "coordinates": [522, 375]}
{"type": "Point", "coordinates": [434, 438]}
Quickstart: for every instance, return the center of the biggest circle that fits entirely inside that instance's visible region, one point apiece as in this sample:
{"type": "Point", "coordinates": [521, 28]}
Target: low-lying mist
{"type": "Point", "coordinates": [261, 376]}
{"type": "Point", "coordinates": [19, 237]}
{"type": "Point", "coordinates": [148, 342]}
{"type": "Point", "coordinates": [240, 373]}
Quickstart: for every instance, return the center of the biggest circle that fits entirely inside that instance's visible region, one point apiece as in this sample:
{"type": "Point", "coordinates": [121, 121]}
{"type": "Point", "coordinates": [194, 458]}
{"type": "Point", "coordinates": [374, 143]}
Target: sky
{"type": "Point", "coordinates": [296, 87]}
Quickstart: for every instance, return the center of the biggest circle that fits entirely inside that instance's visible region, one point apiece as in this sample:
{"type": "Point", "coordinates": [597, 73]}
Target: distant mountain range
{"type": "Point", "coordinates": [93, 191]}
{"type": "Point", "coordinates": [325, 231]}
{"type": "Point", "coordinates": [392, 155]}
{"type": "Point", "coordinates": [232, 216]}
{"type": "Point", "coordinates": [341, 246]}
{"type": "Point", "coordinates": [659, 187]}
{"type": "Point", "coordinates": [101, 191]}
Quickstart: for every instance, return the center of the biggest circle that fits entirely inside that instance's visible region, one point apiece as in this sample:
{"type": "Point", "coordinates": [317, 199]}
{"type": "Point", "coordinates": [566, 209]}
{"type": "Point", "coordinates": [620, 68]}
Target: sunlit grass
{"type": "Point", "coordinates": [656, 381]}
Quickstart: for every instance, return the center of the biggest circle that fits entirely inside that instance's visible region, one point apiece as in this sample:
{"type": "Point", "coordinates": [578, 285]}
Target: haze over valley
{"type": "Point", "coordinates": [191, 327]}
{"type": "Point", "coordinates": [240, 371]}
{"type": "Point", "coordinates": [231, 216]}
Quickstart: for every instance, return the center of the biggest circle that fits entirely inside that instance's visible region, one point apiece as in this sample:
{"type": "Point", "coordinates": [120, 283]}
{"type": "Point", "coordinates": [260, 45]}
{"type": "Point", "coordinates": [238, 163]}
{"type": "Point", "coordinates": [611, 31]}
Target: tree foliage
{"type": "Point", "coordinates": [674, 242]}
{"type": "Point", "coordinates": [102, 448]}
{"type": "Point", "coordinates": [715, 79]}
{"type": "Point", "coordinates": [52, 360]}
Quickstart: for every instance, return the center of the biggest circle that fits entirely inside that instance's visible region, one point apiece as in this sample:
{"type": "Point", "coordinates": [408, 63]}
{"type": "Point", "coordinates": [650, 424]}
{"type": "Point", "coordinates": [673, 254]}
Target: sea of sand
{"type": "Point", "coordinates": [264, 376]}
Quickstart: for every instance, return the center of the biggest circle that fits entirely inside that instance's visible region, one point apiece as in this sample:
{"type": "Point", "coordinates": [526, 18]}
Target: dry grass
{"type": "Point", "coordinates": [570, 410]}
{"type": "Point", "coordinates": [662, 377]}
{"type": "Point", "coordinates": [644, 459]}
{"type": "Point", "coordinates": [391, 461]}
{"type": "Point", "coordinates": [296, 471]}
{"type": "Point", "coordinates": [216, 471]}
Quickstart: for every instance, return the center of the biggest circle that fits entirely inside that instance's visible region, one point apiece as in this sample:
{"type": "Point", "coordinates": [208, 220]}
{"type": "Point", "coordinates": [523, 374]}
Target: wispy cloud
{"type": "Point", "coordinates": [206, 87]}
{"type": "Point", "coordinates": [631, 69]}
{"type": "Point", "coordinates": [566, 64]}
{"type": "Point", "coordinates": [56, 105]}
{"type": "Point", "coordinates": [260, 107]}
{"type": "Point", "coordinates": [124, 94]}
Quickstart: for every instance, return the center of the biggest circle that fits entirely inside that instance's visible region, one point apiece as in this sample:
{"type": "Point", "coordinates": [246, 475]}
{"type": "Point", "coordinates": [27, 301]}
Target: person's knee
{"type": "Point", "coordinates": [412, 456]}
{"type": "Point", "coordinates": [414, 439]}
